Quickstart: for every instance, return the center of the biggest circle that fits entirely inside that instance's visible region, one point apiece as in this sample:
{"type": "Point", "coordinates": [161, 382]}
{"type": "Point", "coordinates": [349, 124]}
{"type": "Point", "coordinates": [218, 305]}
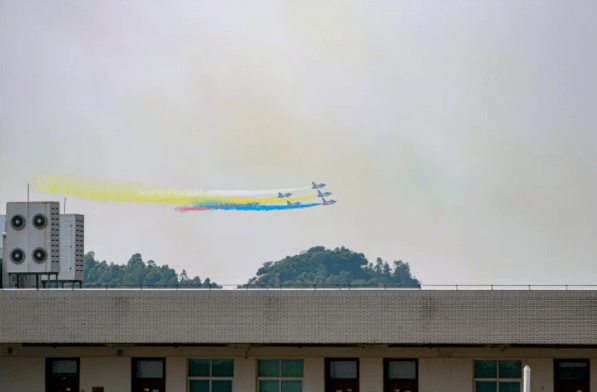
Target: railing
{"type": "Point", "coordinates": [317, 287]}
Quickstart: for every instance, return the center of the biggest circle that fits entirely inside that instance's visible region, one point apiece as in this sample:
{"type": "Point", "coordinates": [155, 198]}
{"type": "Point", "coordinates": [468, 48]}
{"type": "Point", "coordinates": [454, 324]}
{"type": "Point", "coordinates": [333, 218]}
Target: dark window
{"type": "Point", "coordinates": [573, 370]}
{"type": "Point", "coordinates": [149, 374]}
{"type": "Point", "coordinates": [62, 374]}
{"type": "Point", "coordinates": [341, 374]}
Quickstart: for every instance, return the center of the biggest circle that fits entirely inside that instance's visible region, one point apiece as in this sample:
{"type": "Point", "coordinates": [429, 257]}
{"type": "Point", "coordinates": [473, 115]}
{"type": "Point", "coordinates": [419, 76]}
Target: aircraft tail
{"type": "Point", "coordinates": [279, 194]}
{"type": "Point", "coordinates": [287, 203]}
{"type": "Point", "coordinates": [313, 183]}
{"type": "Point", "coordinates": [319, 193]}
{"type": "Point", "coordinates": [324, 200]}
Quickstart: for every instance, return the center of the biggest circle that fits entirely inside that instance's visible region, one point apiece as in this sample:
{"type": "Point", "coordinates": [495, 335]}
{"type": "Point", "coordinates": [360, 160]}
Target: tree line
{"type": "Point", "coordinates": [317, 266]}
{"type": "Point", "coordinates": [137, 273]}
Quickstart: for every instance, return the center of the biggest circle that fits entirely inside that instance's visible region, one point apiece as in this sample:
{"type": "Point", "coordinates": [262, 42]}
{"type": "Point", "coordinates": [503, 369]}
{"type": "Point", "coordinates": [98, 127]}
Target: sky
{"type": "Point", "coordinates": [457, 136]}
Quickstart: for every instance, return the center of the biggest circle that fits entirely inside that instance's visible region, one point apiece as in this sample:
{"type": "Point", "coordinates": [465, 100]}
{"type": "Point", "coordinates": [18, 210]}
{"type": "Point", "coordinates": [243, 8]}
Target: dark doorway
{"type": "Point", "coordinates": [62, 374]}
{"type": "Point", "coordinates": [342, 375]}
{"type": "Point", "coordinates": [571, 375]}
{"type": "Point", "coordinates": [401, 375]}
{"type": "Point", "coordinates": [149, 374]}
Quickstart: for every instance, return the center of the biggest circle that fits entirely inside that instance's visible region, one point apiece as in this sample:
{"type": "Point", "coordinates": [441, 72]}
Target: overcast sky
{"type": "Point", "coordinates": [458, 136]}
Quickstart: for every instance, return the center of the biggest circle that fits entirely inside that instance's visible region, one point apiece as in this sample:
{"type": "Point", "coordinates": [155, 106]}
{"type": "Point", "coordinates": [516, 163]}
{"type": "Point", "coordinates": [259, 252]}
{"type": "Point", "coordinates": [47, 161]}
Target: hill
{"type": "Point", "coordinates": [341, 266]}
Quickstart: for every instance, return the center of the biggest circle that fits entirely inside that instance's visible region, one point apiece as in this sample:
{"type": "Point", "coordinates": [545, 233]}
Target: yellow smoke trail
{"type": "Point", "coordinates": [87, 188]}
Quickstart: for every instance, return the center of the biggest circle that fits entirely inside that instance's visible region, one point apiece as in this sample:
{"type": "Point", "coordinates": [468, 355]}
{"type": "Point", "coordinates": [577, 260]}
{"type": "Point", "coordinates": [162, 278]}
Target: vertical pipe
{"type": "Point", "coordinates": [527, 379]}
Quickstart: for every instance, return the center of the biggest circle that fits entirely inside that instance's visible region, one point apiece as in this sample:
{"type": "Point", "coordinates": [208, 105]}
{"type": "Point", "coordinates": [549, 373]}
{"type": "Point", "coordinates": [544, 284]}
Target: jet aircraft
{"type": "Point", "coordinates": [327, 203]}
{"type": "Point", "coordinates": [319, 194]}
{"type": "Point", "coordinates": [315, 186]}
{"type": "Point", "coordinates": [280, 195]}
{"type": "Point", "coordinates": [293, 204]}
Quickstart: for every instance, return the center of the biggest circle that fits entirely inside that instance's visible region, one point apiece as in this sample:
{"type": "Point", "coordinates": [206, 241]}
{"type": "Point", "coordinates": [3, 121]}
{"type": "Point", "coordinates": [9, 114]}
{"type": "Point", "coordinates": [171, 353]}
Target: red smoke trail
{"type": "Point", "coordinates": [190, 208]}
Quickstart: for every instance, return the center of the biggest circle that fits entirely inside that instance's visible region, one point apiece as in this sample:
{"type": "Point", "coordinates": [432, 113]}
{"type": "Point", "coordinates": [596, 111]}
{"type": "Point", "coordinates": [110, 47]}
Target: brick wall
{"type": "Point", "coordinates": [299, 316]}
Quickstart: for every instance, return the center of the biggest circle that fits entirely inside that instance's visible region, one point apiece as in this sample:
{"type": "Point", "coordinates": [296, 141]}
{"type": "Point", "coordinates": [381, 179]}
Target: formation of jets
{"type": "Point", "coordinates": [319, 194]}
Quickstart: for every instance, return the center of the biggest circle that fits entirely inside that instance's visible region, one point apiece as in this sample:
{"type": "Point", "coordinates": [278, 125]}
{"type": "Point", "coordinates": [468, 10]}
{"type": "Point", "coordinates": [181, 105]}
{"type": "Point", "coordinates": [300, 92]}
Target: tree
{"type": "Point", "coordinates": [340, 266]}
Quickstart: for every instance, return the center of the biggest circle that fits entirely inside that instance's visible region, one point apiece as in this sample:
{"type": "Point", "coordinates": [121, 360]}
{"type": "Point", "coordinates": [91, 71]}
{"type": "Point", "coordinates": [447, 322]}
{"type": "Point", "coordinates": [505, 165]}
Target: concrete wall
{"type": "Point", "coordinates": [112, 373]}
{"type": "Point", "coordinates": [445, 374]}
{"type": "Point", "coordinates": [371, 374]}
{"type": "Point", "coordinates": [296, 316]}
{"type": "Point", "coordinates": [23, 374]}
{"type": "Point", "coordinates": [315, 369]}
{"type": "Point", "coordinates": [176, 374]}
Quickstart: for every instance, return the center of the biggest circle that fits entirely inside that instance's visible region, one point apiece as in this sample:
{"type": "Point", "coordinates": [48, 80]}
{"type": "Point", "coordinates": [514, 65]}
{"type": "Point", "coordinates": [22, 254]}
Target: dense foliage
{"type": "Point", "coordinates": [136, 273]}
{"type": "Point", "coordinates": [341, 266]}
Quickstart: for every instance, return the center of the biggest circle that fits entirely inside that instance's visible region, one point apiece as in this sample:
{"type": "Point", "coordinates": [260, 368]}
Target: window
{"type": "Point", "coordinates": [62, 374]}
{"type": "Point", "coordinates": [400, 374]}
{"type": "Point", "coordinates": [148, 374]}
{"type": "Point", "coordinates": [498, 376]}
{"type": "Point", "coordinates": [275, 375]}
{"type": "Point", "coordinates": [211, 375]}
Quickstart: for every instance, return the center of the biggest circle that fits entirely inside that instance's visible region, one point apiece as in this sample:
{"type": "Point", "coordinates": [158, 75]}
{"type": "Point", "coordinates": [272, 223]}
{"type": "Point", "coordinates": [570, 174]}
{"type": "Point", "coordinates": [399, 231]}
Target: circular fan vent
{"type": "Point", "coordinates": [40, 221]}
{"type": "Point", "coordinates": [40, 255]}
{"type": "Point", "coordinates": [17, 222]}
{"type": "Point", "coordinates": [17, 256]}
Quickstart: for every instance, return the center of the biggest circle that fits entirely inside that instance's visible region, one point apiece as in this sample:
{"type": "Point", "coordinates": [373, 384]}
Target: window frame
{"type": "Point", "coordinates": [48, 370]}
{"type": "Point", "coordinates": [210, 378]}
{"type": "Point", "coordinates": [280, 378]}
{"type": "Point", "coordinates": [497, 379]}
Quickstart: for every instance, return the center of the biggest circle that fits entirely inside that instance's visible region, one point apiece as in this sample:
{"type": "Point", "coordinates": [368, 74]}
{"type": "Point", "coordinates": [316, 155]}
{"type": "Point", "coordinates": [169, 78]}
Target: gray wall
{"type": "Point", "coordinates": [296, 316]}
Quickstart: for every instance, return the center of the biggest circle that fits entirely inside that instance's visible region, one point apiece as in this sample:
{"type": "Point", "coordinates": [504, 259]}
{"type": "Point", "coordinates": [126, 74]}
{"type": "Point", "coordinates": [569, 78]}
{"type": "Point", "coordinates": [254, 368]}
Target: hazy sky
{"type": "Point", "coordinates": [460, 137]}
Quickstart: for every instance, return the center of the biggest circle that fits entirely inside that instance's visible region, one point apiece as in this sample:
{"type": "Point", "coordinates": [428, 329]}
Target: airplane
{"type": "Point", "coordinates": [293, 204]}
{"type": "Point", "coordinates": [319, 194]}
{"type": "Point", "coordinates": [280, 195]}
{"type": "Point", "coordinates": [315, 186]}
{"type": "Point", "coordinates": [327, 203]}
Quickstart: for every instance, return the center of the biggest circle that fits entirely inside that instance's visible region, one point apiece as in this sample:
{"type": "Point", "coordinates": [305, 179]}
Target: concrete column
{"type": "Point", "coordinates": [314, 374]}
{"type": "Point", "coordinates": [245, 374]}
{"type": "Point", "coordinates": [112, 373]}
{"type": "Point", "coordinates": [371, 374]}
{"type": "Point", "coordinates": [176, 374]}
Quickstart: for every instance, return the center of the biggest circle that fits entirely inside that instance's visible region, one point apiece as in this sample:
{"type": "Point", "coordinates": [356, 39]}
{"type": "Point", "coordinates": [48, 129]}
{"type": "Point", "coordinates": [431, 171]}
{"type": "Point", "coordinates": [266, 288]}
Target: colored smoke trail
{"type": "Point", "coordinates": [190, 208]}
{"type": "Point", "coordinates": [270, 207]}
{"type": "Point", "coordinates": [92, 189]}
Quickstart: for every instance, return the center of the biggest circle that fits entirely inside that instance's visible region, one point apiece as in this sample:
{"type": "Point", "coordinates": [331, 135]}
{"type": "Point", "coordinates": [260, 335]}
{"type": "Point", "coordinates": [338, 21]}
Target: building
{"type": "Point", "coordinates": [297, 340]}
{"type": "Point", "coordinates": [2, 229]}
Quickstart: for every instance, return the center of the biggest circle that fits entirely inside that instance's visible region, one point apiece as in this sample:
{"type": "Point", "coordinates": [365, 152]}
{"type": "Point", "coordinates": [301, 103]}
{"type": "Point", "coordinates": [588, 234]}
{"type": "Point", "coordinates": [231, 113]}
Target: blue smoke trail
{"type": "Point", "coordinates": [270, 207]}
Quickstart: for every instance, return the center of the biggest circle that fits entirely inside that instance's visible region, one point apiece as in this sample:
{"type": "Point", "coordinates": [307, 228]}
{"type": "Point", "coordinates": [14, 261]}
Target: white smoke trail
{"type": "Point", "coordinates": [252, 193]}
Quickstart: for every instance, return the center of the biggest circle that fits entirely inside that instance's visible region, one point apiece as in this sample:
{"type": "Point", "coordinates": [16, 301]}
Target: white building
{"type": "Point", "coordinates": [297, 340]}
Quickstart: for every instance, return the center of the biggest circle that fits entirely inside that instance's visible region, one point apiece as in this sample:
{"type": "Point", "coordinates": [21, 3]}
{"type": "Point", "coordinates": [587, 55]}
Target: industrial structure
{"type": "Point", "coordinates": [40, 246]}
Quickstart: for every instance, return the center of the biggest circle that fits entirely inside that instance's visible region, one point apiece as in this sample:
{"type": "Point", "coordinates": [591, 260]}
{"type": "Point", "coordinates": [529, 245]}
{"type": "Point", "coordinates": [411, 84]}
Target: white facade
{"type": "Point", "coordinates": [111, 367]}
{"type": "Point", "coordinates": [71, 247]}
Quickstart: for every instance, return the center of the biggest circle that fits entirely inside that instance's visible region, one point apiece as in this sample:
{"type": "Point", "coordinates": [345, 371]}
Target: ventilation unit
{"type": "Point", "coordinates": [71, 248]}
{"type": "Point", "coordinates": [32, 238]}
